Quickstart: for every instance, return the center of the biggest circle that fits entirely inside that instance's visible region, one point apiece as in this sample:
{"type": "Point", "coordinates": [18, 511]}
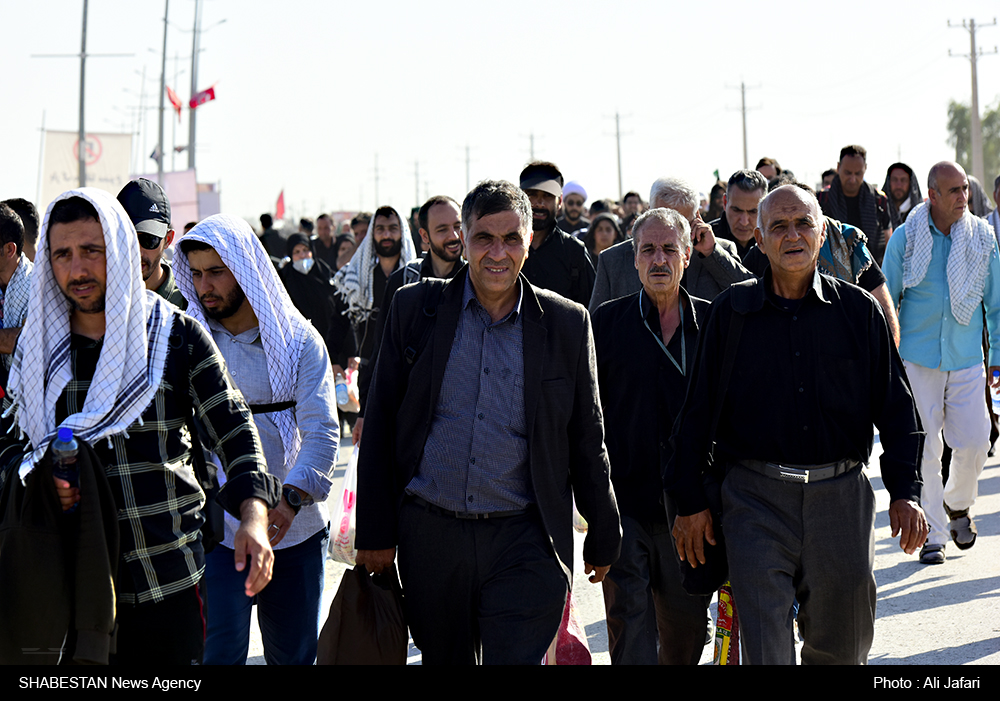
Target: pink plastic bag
{"type": "Point", "coordinates": [570, 645]}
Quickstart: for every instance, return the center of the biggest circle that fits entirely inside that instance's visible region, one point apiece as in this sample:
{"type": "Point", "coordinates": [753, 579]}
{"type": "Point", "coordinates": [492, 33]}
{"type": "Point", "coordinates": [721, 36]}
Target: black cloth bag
{"type": "Point", "coordinates": [366, 623]}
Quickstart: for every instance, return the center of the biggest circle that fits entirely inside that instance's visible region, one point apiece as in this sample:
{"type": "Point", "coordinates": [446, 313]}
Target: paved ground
{"type": "Point", "coordinates": [947, 614]}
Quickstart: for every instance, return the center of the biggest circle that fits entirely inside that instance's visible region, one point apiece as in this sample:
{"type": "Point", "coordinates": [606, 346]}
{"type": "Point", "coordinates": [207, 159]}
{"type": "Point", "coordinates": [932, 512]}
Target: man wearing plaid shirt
{"type": "Point", "coordinates": [128, 382]}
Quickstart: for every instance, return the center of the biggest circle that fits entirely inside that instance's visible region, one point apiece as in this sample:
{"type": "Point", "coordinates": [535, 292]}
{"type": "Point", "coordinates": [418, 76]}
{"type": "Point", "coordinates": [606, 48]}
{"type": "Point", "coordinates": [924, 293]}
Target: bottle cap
{"type": "Point", "coordinates": [65, 434]}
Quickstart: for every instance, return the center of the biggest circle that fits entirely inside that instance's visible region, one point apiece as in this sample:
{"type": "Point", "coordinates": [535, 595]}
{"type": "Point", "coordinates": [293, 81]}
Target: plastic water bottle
{"type": "Point", "coordinates": [995, 393]}
{"type": "Point", "coordinates": [64, 450]}
{"type": "Point", "coordinates": [340, 384]}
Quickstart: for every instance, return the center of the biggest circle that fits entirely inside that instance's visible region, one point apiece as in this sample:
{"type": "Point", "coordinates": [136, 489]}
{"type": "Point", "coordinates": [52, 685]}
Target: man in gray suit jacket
{"type": "Point", "coordinates": [484, 421]}
{"type": "Point", "coordinates": [715, 263]}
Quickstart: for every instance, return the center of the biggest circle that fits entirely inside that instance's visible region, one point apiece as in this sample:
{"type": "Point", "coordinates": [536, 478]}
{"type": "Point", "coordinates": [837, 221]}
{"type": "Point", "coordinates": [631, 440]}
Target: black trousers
{"type": "Point", "coordinates": [479, 591]}
{"type": "Point", "coordinates": [170, 632]}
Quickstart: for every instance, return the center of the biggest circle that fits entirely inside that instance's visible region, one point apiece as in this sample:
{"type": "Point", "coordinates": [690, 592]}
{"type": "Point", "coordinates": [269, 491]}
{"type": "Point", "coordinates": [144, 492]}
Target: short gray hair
{"type": "Point", "coordinates": [673, 193]}
{"type": "Point", "coordinates": [492, 197]}
{"type": "Point", "coordinates": [668, 217]}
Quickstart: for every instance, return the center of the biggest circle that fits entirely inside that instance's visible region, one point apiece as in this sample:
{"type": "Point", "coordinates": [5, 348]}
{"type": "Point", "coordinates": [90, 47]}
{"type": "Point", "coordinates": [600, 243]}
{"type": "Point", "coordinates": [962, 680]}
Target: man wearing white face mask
{"type": "Point", "coordinates": [307, 280]}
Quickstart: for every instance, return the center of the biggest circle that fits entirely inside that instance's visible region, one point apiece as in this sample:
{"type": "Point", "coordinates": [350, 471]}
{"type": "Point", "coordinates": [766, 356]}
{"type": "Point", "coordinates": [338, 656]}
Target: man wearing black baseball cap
{"type": "Point", "coordinates": [147, 206]}
{"type": "Point", "coordinates": [556, 261]}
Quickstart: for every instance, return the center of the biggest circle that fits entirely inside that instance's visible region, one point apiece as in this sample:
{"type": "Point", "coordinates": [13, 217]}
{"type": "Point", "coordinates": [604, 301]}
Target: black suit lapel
{"type": "Point", "coordinates": [535, 338]}
{"type": "Point", "coordinates": [444, 335]}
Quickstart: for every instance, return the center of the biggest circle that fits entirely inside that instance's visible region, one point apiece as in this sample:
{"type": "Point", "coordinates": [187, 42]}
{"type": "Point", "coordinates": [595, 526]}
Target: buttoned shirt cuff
{"type": "Point", "coordinates": [249, 485]}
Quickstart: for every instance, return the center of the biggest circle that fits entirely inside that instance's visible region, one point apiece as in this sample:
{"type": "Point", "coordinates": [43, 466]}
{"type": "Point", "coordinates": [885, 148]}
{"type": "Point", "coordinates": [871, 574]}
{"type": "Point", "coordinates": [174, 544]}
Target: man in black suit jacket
{"type": "Point", "coordinates": [485, 550]}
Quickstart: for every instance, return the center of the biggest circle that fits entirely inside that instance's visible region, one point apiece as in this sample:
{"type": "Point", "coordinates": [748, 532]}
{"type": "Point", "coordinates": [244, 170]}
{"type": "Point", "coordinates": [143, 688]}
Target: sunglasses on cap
{"type": "Point", "coordinates": [149, 241]}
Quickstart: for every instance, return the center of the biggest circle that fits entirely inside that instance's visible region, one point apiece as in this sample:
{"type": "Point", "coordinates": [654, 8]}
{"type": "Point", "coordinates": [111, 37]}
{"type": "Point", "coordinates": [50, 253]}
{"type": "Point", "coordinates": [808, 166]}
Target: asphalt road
{"type": "Point", "coordinates": [927, 615]}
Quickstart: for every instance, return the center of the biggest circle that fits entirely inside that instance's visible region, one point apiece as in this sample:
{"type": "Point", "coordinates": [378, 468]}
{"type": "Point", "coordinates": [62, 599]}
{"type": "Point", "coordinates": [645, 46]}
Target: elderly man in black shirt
{"type": "Point", "coordinates": [814, 368]}
{"type": "Point", "coordinates": [645, 348]}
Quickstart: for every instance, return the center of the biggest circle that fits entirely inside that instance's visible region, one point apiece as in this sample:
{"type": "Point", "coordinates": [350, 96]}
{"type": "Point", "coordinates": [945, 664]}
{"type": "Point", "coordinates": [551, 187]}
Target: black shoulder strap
{"type": "Point", "coordinates": [433, 290]}
{"type": "Point", "coordinates": [729, 359]}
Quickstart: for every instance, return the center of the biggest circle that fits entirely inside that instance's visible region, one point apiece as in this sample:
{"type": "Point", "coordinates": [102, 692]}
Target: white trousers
{"type": "Point", "coordinates": [954, 402]}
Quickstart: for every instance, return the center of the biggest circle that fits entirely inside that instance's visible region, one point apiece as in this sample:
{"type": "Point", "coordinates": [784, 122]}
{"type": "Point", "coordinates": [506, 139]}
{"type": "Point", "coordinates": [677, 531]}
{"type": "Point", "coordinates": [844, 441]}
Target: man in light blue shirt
{"type": "Point", "coordinates": [943, 271]}
{"type": "Point", "coordinates": [280, 364]}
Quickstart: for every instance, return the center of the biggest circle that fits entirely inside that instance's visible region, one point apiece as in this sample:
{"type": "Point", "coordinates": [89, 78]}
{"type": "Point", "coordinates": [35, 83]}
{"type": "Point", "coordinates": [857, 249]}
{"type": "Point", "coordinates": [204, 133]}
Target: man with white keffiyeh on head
{"type": "Point", "coordinates": [943, 273]}
{"type": "Point", "coordinates": [280, 363]}
{"type": "Point", "coordinates": [127, 372]}
{"type": "Point", "coordinates": [386, 247]}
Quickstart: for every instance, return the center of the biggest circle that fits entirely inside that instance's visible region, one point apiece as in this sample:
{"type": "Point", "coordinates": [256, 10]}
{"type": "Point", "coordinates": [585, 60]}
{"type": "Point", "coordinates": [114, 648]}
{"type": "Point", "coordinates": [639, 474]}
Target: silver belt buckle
{"type": "Point", "coordinates": [793, 474]}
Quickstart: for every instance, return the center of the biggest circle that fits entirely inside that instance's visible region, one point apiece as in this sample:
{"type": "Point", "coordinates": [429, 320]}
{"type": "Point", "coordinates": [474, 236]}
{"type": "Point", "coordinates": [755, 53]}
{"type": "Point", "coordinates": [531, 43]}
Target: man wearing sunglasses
{"type": "Point", "coordinates": [147, 206]}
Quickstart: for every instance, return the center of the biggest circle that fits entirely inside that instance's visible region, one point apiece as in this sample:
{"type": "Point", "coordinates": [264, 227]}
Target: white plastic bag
{"type": "Point", "coordinates": [342, 524]}
{"type": "Point", "coordinates": [579, 522]}
{"type": "Point", "coordinates": [353, 406]}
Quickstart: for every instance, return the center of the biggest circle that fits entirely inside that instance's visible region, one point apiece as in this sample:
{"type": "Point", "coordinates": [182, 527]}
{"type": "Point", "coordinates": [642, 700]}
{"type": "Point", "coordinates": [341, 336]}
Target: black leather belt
{"type": "Point", "coordinates": [271, 408]}
{"type": "Point", "coordinates": [803, 474]}
{"type": "Point", "coordinates": [434, 509]}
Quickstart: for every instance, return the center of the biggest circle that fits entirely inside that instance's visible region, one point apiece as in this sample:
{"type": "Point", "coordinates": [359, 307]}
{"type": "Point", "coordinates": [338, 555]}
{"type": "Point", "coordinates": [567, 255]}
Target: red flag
{"type": "Point", "coordinates": [279, 209]}
{"type": "Point", "coordinates": [175, 101]}
{"type": "Point", "coordinates": [202, 97]}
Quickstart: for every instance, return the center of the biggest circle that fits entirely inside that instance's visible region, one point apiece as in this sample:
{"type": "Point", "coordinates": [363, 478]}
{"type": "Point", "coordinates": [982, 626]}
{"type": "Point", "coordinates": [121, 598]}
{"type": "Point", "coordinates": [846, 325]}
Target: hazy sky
{"type": "Point", "coordinates": [309, 91]}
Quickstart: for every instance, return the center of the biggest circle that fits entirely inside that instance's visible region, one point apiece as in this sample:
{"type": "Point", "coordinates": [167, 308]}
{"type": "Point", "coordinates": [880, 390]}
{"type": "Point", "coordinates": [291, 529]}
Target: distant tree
{"type": "Point", "coordinates": [959, 136]}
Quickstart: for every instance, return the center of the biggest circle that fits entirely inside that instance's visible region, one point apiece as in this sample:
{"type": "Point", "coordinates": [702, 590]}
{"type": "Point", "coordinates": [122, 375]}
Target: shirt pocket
{"type": "Point", "coordinates": [516, 422]}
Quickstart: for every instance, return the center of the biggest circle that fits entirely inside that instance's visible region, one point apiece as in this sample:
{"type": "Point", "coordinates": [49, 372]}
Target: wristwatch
{"type": "Point", "coordinates": [293, 498]}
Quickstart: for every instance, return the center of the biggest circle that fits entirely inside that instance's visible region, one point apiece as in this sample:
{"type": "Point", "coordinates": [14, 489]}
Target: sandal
{"type": "Point", "coordinates": [932, 554]}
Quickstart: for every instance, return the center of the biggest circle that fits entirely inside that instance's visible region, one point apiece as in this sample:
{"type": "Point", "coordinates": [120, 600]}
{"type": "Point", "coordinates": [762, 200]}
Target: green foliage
{"type": "Point", "coordinates": [959, 136]}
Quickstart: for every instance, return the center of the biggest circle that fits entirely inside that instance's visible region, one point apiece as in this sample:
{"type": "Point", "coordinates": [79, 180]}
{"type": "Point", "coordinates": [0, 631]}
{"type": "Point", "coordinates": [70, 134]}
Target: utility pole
{"type": "Point", "coordinates": [163, 92]}
{"type": "Point", "coordinates": [618, 142]}
{"type": "Point", "coordinates": [81, 146]}
{"type": "Point", "coordinates": [531, 146]}
{"type": "Point", "coordinates": [173, 138]}
{"type": "Point", "coordinates": [41, 152]}
{"type": "Point", "coordinates": [81, 143]}
{"type": "Point", "coordinates": [195, 48]}
{"type": "Point", "coordinates": [743, 110]}
{"type": "Point", "coordinates": [976, 126]}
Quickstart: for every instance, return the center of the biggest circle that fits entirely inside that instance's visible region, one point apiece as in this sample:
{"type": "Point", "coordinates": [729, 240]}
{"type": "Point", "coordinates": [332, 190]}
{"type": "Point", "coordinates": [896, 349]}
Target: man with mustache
{"type": "Point", "coordinates": [645, 345]}
{"type": "Point", "coordinates": [557, 261]}
{"type": "Point", "coordinates": [715, 263]}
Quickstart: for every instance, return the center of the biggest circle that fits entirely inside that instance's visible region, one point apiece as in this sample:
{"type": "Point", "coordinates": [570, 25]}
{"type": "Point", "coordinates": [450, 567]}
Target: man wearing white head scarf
{"type": "Point", "coordinates": [280, 363]}
{"type": "Point", "coordinates": [127, 372]}
{"type": "Point", "coordinates": [386, 247]}
{"type": "Point", "coordinates": [942, 268]}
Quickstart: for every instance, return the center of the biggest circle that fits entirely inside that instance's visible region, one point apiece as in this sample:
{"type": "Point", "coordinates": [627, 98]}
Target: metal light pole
{"type": "Point", "coordinates": [163, 92]}
{"type": "Point", "coordinates": [81, 146]}
{"type": "Point", "coordinates": [976, 126]}
{"type": "Point", "coordinates": [195, 48]}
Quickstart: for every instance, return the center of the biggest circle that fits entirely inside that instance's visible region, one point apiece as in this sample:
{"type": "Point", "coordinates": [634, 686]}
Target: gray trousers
{"type": "Point", "coordinates": [814, 542]}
